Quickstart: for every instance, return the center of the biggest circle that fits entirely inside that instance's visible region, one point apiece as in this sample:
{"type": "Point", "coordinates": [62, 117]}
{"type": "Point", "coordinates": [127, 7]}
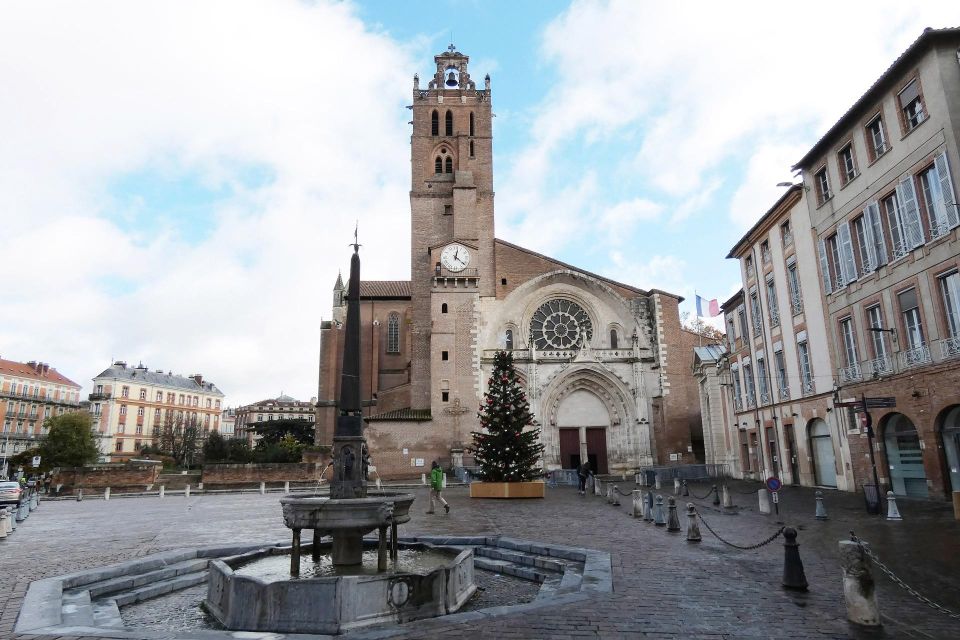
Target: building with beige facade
{"type": "Point", "coordinates": [606, 365]}
{"type": "Point", "coordinates": [882, 200]}
{"type": "Point", "coordinates": [131, 405]}
{"type": "Point", "coordinates": [31, 392]}
{"type": "Point", "coordinates": [283, 407]}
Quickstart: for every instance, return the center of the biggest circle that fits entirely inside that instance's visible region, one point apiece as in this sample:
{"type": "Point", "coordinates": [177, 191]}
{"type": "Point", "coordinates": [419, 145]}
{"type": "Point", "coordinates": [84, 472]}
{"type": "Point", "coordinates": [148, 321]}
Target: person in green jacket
{"type": "Point", "coordinates": [436, 486]}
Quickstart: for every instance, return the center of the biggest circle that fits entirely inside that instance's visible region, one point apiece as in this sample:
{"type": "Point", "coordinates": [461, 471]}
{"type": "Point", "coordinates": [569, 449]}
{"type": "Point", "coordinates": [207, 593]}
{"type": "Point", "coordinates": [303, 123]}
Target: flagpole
{"type": "Point", "coordinates": [696, 309]}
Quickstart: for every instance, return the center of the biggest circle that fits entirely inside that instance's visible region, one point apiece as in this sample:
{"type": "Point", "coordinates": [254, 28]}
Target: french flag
{"type": "Point", "coordinates": [707, 308]}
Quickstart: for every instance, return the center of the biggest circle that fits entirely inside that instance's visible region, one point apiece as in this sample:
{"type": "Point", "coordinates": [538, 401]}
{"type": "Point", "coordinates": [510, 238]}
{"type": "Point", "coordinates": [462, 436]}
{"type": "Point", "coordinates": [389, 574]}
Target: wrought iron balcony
{"type": "Point", "coordinates": [757, 327]}
{"type": "Point", "coordinates": [738, 404]}
{"type": "Point", "coordinates": [100, 396]}
{"type": "Point", "coordinates": [950, 347]}
{"type": "Point", "coordinates": [774, 318]}
{"type": "Point", "coordinates": [796, 303]}
{"type": "Point", "coordinates": [915, 357]}
{"type": "Point", "coordinates": [765, 397]}
{"type": "Point", "coordinates": [806, 386]}
{"type": "Point", "coordinates": [788, 238]}
{"type": "Point", "coordinates": [784, 393]}
{"type": "Point", "coordinates": [882, 366]}
{"type": "Point", "coordinates": [751, 402]}
{"type": "Point", "coordinates": [850, 373]}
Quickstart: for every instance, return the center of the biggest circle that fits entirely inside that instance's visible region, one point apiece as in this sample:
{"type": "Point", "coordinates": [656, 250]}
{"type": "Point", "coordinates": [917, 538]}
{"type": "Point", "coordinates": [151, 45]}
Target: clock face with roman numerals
{"type": "Point", "coordinates": [455, 257]}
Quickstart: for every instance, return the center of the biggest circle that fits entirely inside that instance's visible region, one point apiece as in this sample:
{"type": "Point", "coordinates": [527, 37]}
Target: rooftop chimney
{"type": "Point", "coordinates": [198, 379]}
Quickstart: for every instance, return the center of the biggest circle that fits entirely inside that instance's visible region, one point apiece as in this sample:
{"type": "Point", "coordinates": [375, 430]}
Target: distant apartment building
{"type": "Point", "coordinates": [281, 408]}
{"type": "Point", "coordinates": [881, 195]}
{"type": "Point", "coordinates": [228, 420]}
{"type": "Point", "coordinates": [130, 405]}
{"type": "Point", "coordinates": [779, 366]}
{"type": "Point", "coordinates": [31, 392]}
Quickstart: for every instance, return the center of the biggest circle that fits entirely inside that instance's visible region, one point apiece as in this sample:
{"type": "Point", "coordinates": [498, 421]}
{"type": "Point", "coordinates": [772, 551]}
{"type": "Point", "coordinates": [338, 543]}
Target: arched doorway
{"type": "Point", "coordinates": [582, 419]}
{"type": "Point", "coordinates": [824, 462]}
{"type": "Point", "coordinates": [950, 435]}
{"type": "Point", "coordinates": [904, 457]}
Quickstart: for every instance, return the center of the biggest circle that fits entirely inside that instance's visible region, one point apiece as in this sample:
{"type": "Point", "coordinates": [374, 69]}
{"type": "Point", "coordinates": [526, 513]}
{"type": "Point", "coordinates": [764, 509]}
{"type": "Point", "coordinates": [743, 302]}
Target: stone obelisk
{"type": "Point", "coordinates": [349, 446]}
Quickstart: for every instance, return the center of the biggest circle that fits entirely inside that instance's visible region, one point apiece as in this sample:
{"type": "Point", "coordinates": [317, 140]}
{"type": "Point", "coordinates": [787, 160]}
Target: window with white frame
{"type": "Point", "coordinates": [762, 380]}
{"type": "Point", "coordinates": [950, 291]}
{"type": "Point", "coordinates": [903, 219]}
{"type": "Point", "coordinates": [737, 390]}
{"type": "Point", "coordinates": [806, 372]}
{"type": "Point", "coordinates": [822, 183]}
{"type": "Point", "coordinates": [911, 105]}
{"type": "Point", "coordinates": [755, 312]}
{"type": "Point", "coordinates": [936, 188]}
{"type": "Point", "coordinates": [773, 308]}
{"type": "Point", "coordinates": [910, 308]}
{"type": "Point", "coordinates": [875, 318]}
{"type": "Point", "coordinates": [848, 164]}
{"type": "Point", "coordinates": [849, 342]}
{"type": "Point", "coordinates": [876, 138]}
{"type": "Point", "coordinates": [781, 370]}
{"type": "Point", "coordinates": [793, 282]}
{"type": "Point", "coordinates": [742, 317]}
{"type": "Point", "coordinates": [748, 384]}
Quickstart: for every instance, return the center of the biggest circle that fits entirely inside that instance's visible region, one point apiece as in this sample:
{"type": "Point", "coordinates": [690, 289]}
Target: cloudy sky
{"type": "Point", "coordinates": [179, 180]}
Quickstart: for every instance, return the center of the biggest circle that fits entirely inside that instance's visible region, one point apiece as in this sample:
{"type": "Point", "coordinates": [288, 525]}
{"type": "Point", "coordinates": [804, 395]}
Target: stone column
{"type": "Point", "coordinates": [764, 499]}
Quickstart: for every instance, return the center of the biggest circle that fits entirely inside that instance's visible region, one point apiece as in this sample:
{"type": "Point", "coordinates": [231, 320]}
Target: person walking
{"type": "Point", "coordinates": [436, 486]}
{"type": "Point", "coordinates": [583, 471]}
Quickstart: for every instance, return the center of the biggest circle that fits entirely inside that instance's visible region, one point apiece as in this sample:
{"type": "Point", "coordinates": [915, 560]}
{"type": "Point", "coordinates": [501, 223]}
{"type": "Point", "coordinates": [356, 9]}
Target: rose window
{"type": "Point", "coordinates": [560, 324]}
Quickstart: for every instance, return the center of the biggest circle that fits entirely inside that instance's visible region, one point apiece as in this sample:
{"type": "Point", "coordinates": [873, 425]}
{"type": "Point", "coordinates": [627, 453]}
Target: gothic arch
{"type": "Point", "coordinates": [611, 391]}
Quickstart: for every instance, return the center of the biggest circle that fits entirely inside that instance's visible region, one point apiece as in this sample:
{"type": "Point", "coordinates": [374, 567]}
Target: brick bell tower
{"type": "Point", "coordinates": [451, 213]}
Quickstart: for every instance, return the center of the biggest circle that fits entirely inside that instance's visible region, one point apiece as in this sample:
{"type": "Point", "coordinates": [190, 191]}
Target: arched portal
{"type": "Point", "coordinates": [904, 456]}
{"type": "Point", "coordinates": [582, 420]}
{"type": "Point", "coordinates": [824, 461]}
{"type": "Point", "coordinates": [950, 437]}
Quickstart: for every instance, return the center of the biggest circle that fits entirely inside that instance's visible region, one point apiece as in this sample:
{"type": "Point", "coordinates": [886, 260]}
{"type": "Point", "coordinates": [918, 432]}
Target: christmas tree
{"type": "Point", "coordinates": [504, 450]}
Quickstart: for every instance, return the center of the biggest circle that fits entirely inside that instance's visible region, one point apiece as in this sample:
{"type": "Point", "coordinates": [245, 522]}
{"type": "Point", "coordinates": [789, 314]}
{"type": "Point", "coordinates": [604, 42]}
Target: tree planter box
{"type": "Point", "coordinates": [532, 489]}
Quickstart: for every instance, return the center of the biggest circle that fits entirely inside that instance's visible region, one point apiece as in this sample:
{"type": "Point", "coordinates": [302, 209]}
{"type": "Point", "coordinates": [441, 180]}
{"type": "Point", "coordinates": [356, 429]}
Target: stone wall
{"type": "Point", "coordinates": [215, 475]}
{"type": "Point", "coordinates": [119, 477]}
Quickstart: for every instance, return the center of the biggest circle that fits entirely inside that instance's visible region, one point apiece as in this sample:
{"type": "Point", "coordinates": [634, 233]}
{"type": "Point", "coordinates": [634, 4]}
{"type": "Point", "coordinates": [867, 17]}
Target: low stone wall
{"type": "Point", "coordinates": [94, 479]}
{"type": "Point", "coordinates": [234, 475]}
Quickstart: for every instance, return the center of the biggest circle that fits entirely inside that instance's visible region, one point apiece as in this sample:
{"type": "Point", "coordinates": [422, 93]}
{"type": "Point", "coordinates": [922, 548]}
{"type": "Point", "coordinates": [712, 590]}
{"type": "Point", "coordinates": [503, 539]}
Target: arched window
{"type": "Point", "coordinates": [438, 165]}
{"type": "Point", "coordinates": [449, 164]}
{"type": "Point", "coordinates": [471, 123]}
{"type": "Point", "coordinates": [449, 123]}
{"type": "Point", "coordinates": [443, 308]}
{"type": "Point", "coordinates": [508, 341]}
{"type": "Point", "coordinates": [613, 338]}
{"type": "Point", "coordinates": [435, 123]}
{"type": "Point", "coordinates": [393, 333]}
{"type": "Point", "coordinates": [471, 149]}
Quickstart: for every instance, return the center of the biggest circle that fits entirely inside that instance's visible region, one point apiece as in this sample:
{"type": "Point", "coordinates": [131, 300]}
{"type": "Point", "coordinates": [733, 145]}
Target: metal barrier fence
{"type": "Point", "coordinates": [685, 472]}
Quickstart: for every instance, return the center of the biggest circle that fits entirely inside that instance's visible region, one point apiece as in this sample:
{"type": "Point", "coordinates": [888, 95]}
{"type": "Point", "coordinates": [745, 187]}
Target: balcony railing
{"type": "Point", "coordinates": [938, 229]}
{"type": "Point", "coordinates": [751, 402]}
{"type": "Point", "coordinates": [765, 397]}
{"type": "Point", "coordinates": [850, 373]}
{"type": "Point", "coordinates": [950, 347]}
{"type": "Point", "coordinates": [806, 386]}
{"type": "Point", "coordinates": [784, 393]}
{"type": "Point", "coordinates": [757, 327]}
{"type": "Point", "coordinates": [915, 357]}
{"type": "Point", "coordinates": [796, 303]}
{"type": "Point", "coordinates": [882, 366]}
{"type": "Point", "coordinates": [100, 396]}
{"type": "Point", "coordinates": [774, 318]}
{"type": "Point", "coordinates": [738, 404]}
{"type": "Point", "coordinates": [788, 238]}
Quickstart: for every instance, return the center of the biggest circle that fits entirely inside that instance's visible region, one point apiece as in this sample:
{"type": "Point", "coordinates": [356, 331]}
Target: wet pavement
{"type": "Point", "coordinates": [664, 587]}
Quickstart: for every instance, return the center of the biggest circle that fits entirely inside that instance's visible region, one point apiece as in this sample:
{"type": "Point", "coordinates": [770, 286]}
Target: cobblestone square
{"type": "Point", "coordinates": [663, 587]}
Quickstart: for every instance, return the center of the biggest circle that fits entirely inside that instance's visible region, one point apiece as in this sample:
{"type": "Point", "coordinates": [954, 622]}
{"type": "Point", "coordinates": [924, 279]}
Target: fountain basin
{"type": "Point", "coordinates": [327, 515]}
{"type": "Point", "coordinates": [337, 603]}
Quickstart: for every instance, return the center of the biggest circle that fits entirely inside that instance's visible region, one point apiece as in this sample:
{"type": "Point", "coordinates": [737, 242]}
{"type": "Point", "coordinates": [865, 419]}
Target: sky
{"type": "Point", "coordinates": [179, 180]}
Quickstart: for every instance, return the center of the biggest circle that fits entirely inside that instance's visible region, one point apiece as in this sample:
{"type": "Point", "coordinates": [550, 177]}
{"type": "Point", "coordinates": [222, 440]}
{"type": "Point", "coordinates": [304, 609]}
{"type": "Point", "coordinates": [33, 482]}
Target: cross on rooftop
{"type": "Point", "coordinates": [451, 48]}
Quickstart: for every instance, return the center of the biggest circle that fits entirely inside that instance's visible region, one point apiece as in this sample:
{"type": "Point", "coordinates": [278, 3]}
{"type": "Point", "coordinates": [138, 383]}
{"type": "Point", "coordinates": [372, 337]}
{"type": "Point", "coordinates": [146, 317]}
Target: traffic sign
{"type": "Point", "coordinates": [776, 499]}
{"type": "Point", "coordinates": [774, 484]}
{"type": "Point", "coordinates": [881, 403]}
{"type": "Point", "coordinates": [36, 461]}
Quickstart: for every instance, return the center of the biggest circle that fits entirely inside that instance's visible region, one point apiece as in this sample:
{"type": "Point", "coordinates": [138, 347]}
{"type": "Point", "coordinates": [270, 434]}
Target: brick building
{"type": "Point", "coordinates": [31, 392]}
{"type": "Point", "coordinates": [130, 405]}
{"type": "Point", "coordinates": [882, 199]}
{"type": "Point", "coordinates": [606, 365]}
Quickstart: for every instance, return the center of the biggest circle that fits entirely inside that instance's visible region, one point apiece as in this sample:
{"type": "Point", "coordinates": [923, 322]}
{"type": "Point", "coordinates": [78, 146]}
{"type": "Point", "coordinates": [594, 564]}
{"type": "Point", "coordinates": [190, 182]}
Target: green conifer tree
{"type": "Point", "coordinates": [506, 449]}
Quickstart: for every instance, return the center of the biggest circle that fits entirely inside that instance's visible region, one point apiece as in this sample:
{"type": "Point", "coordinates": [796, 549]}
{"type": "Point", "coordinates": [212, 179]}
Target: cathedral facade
{"type": "Point", "coordinates": [607, 367]}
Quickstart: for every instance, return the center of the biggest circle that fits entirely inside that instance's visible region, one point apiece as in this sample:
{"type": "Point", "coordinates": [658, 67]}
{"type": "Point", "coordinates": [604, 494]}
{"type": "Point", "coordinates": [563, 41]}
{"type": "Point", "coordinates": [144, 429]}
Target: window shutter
{"type": "Point", "coordinates": [824, 268]}
{"type": "Point", "coordinates": [907, 197]}
{"type": "Point", "coordinates": [847, 263]}
{"type": "Point", "coordinates": [876, 229]}
{"type": "Point", "coordinates": [870, 243]}
{"type": "Point", "coordinates": [946, 191]}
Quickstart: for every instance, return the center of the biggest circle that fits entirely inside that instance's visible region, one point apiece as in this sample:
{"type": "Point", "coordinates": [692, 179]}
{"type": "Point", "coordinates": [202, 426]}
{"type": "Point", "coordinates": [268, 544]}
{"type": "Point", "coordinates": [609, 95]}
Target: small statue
{"type": "Point", "coordinates": [347, 460]}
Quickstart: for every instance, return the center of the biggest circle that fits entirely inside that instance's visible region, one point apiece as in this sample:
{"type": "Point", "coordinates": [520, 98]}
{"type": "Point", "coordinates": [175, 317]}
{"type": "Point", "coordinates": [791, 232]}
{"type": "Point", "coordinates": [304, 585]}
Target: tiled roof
{"type": "Point", "coordinates": [418, 415]}
{"type": "Point", "coordinates": [142, 374]}
{"type": "Point", "coordinates": [876, 88]}
{"type": "Point", "coordinates": [384, 288]}
{"type": "Point", "coordinates": [285, 402]}
{"type": "Point", "coordinates": [30, 370]}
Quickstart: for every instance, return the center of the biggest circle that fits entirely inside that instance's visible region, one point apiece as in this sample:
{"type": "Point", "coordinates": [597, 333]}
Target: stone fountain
{"type": "Point", "coordinates": [348, 597]}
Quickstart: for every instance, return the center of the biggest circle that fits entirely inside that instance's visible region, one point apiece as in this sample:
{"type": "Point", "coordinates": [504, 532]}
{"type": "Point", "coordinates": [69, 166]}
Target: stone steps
{"type": "Point", "coordinates": [125, 583]}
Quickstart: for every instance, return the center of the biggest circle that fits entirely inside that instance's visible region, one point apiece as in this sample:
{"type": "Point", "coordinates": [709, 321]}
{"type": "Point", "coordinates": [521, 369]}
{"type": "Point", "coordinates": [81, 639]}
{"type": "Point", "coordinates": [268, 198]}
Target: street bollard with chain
{"type": "Point", "coordinates": [727, 497]}
{"type": "Point", "coordinates": [676, 486]}
{"type": "Point", "coordinates": [656, 480]}
{"type": "Point", "coordinates": [637, 503]}
{"type": "Point", "coordinates": [859, 588]}
{"type": "Point", "coordinates": [615, 494]}
{"type": "Point", "coordinates": [821, 513]}
{"type": "Point", "coordinates": [673, 521]}
{"type": "Point", "coordinates": [686, 491]}
{"type": "Point", "coordinates": [693, 529]}
{"type": "Point", "coordinates": [893, 513]}
{"type": "Point", "coordinates": [3, 523]}
{"type": "Point", "coordinates": [793, 576]}
{"type": "Point", "coordinates": [716, 496]}
{"type": "Point", "coordinates": [658, 518]}
{"type": "Point", "coordinates": [648, 507]}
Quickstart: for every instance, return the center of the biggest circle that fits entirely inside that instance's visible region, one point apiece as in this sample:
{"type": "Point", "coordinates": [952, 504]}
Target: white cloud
{"type": "Point", "coordinates": [301, 92]}
{"type": "Point", "coordinates": [768, 166]}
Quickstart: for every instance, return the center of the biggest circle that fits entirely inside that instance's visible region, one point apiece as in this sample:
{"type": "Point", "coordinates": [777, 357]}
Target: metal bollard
{"type": "Point", "coordinates": [673, 521]}
{"type": "Point", "coordinates": [859, 588]}
{"type": "Point", "coordinates": [893, 513]}
{"type": "Point", "coordinates": [22, 512]}
{"type": "Point", "coordinates": [658, 518]}
{"type": "Point", "coordinates": [186, 492]}
{"type": "Point", "coordinates": [727, 497]}
{"type": "Point", "coordinates": [648, 507]}
{"type": "Point", "coordinates": [693, 529]}
{"type": "Point", "coordinates": [106, 493]}
{"type": "Point", "coordinates": [793, 576]}
{"type": "Point", "coordinates": [716, 496]}
{"type": "Point", "coordinates": [821, 513]}
{"type": "Point", "coordinates": [686, 491]}
{"type": "Point", "coordinates": [162, 489]}
{"type": "Point", "coordinates": [3, 523]}
{"type": "Point", "coordinates": [615, 494]}
{"type": "Point", "coordinates": [676, 486]}
{"type": "Point", "coordinates": [764, 499]}
{"type": "Point", "coordinates": [12, 521]}
{"type": "Point", "coordinates": [637, 496]}
{"type": "Point", "coordinates": [656, 481]}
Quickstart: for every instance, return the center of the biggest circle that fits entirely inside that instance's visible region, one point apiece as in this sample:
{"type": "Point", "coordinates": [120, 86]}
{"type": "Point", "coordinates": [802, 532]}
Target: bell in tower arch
{"type": "Point", "coordinates": [452, 79]}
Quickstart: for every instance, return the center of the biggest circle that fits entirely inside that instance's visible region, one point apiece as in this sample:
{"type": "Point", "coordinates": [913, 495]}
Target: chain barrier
{"type": "Point", "coordinates": [693, 495]}
{"type": "Point", "coordinates": [896, 580]}
{"type": "Point", "coordinates": [737, 546]}
{"type": "Point", "coordinates": [627, 494]}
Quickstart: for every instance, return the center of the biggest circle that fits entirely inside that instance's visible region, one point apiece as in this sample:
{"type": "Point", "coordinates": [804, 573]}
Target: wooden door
{"type": "Point", "coordinates": [597, 449]}
{"type": "Point", "coordinates": [570, 448]}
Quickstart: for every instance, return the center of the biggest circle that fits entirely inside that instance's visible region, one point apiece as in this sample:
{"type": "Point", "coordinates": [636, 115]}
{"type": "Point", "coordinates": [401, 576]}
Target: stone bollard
{"type": "Point", "coordinates": [162, 490]}
{"type": "Point", "coordinates": [35, 501]}
{"type": "Point", "coordinates": [3, 523]}
{"type": "Point", "coordinates": [727, 497]}
{"type": "Point", "coordinates": [186, 492]}
{"type": "Point", "coordinates": [676, 486]}
{"type": "Point", "coordinates": [793, 576]}
{"type": "Point", "coordinates": [199, 486]}
{"type": "Point", "coordinates": [673, 521]}
{"type": "Point", "coordinates": [22, 512]}
{"type": "Point", "coordinates": [637, 496]}
{"type": "Point", "coordinates": [693, 529]}
{"type": "Point", "coordinates": [263, 487]}
{"type": "Point", "coordinates": [379, 484]}
{"type": "Point", "coordinates": [686, 491]}
{"type": "Point", "coordinates": [641, 479]}
{"type": "Point", "coordinates": [656, 481]}
{"type": "Point", "coordinates": [79, 494]}
{"type": "Point", "coordinates": [286, 486]}
{"type": "Point", "coordinates": [893, 513]}
{"type": "Point", "coordinates": [648, 507]}
{"type": "Point", "coordinates": [106, 493]}
{"type": "Point", "coordinates": [859, 589]}
{"type": "Point", "coordinates": [609, 494]}
{"type": "Point", "coordinates": [12, 521]}
{"type": "Point", "coordinates": [716, 496]}
{"type": "Point", "coordinates": [423, 478]}
{"type": "Point", "coordinates": [597, 487]}
{"type": "Point", "coordinates": [615, 494]}
{"type": "Point", "coordinates": [443, 481]}
{"type": "Point", "coordinates": [764, 499]}
{"type": "Point", "coordinates": [821, 513]}
{"type": "Point", "coordinates": [658, 517]}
